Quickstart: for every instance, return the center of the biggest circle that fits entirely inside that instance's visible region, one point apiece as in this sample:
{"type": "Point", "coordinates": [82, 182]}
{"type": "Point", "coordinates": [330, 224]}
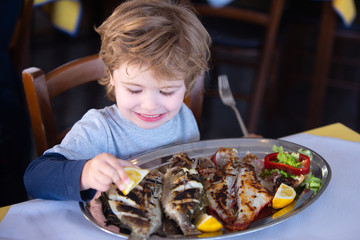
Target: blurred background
{"type": "Point", "coordinates": [298, 57]}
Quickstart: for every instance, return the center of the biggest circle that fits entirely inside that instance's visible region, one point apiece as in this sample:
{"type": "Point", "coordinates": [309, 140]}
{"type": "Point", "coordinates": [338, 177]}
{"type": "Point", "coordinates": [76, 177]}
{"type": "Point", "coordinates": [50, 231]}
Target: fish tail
{"type": "Point", "coordinates": [189, 229]}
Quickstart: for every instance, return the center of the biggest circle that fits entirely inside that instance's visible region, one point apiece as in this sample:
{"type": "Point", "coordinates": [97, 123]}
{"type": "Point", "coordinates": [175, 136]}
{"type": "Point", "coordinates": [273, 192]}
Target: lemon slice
{"type": "Point", "coordinates": [284, 211]}
{"type": "Point", "coordinates": [284, 196]}
{"type": "Point", "coordinates": [208, 223]}
{"type": "Point", "coordinates": [135, 177]}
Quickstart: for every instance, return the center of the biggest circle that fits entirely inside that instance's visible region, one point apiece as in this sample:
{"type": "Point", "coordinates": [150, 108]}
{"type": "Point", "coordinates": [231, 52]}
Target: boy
{"type": "Point", "coordinates": [153, 50]}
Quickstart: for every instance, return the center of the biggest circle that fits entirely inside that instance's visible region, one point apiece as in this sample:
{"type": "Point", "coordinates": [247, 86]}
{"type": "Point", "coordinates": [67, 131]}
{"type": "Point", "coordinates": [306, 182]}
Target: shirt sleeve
{"type": "Point", "coordinates": [86, 139]}
{"type": "Point", "coordinates": [54, 177]}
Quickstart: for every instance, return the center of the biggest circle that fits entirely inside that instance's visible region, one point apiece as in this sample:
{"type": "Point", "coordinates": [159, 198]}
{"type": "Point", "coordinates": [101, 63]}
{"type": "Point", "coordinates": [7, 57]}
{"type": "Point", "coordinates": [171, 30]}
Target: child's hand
{"type": "Point", "coordinates": [103, 170]}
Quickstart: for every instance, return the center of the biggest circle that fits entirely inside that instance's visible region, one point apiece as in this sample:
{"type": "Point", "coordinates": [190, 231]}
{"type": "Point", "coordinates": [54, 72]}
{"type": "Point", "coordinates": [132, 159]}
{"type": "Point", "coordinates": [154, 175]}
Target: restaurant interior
{"type": "Point", "coordinates": [287, 102]}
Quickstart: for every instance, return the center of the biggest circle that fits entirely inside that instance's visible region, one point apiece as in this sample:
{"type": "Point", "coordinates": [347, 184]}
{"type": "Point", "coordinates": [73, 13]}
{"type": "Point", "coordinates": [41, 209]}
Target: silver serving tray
{"type": "Point", "coordinates": [260, 147]}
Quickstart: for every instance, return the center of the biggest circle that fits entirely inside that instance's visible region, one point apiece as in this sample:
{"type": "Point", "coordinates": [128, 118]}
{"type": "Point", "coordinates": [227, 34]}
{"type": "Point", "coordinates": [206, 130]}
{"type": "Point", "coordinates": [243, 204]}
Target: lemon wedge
{"type": "Point", "coordinates": [208, 223]}
{"type": "Point", "coordinates": [284, 196]}
{"type": "Point", "coordinates": [135, 177]}
{"type": "Point", "coordinates": [284, 211]}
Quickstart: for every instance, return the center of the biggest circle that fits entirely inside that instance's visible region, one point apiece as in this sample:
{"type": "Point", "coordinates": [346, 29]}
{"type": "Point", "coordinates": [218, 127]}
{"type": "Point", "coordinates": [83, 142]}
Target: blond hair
{"type": "Point", "coordinates": [164, 35]}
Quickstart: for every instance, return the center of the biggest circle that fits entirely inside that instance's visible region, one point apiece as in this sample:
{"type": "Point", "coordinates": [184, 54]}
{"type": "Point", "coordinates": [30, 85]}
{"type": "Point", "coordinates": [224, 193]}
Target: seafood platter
{"type": "Point", "coordinates": [218, 178]}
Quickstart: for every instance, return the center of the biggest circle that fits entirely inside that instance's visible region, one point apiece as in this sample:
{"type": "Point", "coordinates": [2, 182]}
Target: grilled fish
{"type": "Point", "coordinates": [251, 197]}
{"type": "Point", "coordinates": [225, 157]}
{"type": "Point", "coordinates": [234, 192]}
{"type": "Point", "coordinates": [219, 183]}
{"type": "Point", "coordinates": [183, 193]}
{"type": "Point", "coordinates": [140, 210]}
{"type": "Point", "coordinates": [258, 165]}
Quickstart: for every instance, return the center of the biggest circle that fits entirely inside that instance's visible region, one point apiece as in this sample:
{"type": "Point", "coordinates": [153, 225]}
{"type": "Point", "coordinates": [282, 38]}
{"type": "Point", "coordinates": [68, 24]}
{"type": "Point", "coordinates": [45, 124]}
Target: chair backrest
{"type": "Point", "coordinates": [20, 41]}
{"type": "Point", "coordinates": [41, 88]}
{"type": "Point", "coordinates": [268, 18]}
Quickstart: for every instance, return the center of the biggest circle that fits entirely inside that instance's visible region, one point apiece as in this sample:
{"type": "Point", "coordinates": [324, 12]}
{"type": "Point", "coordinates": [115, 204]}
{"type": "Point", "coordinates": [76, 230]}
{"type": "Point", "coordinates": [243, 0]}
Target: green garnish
{"type": "Point", "coordinates": [269, 172]}
{"type": "Point", "coordinates": [285, 157]}
{"type": "Point", "coordinates": [306, 152]}
{"type": "Point", "coordinates": [312, 182]}
{"type": "Point", "coordinates": [293, 159]}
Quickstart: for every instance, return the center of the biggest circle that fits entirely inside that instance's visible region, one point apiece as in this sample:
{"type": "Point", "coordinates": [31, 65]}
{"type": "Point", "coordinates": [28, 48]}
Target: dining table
{"type": "Point", "coordinates": [334, 215]}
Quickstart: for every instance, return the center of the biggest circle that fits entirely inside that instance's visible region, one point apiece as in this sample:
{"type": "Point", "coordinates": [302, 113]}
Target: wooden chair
{"type": "Point", "coordinates": [41, 88]}
{"type": "Point", "coordinates": [19, 46]}
{"type": "Point", "coordinates": [233, 47]}
{"type": "Point", "coordinates": [323, 55]}
{"type": "Point", "coordinates": [325, 59]}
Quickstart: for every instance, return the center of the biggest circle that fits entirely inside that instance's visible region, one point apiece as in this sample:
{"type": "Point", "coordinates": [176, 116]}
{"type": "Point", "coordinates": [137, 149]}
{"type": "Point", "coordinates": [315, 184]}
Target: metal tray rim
{"type": "Point", "coordinates": [166, 153]}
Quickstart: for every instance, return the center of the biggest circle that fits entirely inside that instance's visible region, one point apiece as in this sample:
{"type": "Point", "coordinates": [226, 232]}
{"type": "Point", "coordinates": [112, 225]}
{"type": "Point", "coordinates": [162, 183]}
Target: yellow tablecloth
{"type": "Point", "coordinates": [346, 10]}
{"type": "Point", "coordinates": [65, 15]}
{"type": "Point", "coordinates": [336, 130]}
{"type": "Point", "coordinates": [3, 212]}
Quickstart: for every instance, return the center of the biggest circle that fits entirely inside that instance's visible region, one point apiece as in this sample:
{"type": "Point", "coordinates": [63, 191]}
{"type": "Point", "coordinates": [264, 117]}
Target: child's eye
{"type": "Point", "coordinates": [134, 91]}
{"type": "Point", "coordinates": [166, 93]}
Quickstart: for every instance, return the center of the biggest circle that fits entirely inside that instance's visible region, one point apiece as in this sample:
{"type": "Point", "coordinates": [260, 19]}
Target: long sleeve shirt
{"type": "Point", "coordinates": [56, 174]}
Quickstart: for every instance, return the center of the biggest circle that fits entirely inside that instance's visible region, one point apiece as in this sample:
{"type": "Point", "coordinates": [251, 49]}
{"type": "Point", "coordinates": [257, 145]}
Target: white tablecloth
{"type": "Point", "coordinates": [335, 215]}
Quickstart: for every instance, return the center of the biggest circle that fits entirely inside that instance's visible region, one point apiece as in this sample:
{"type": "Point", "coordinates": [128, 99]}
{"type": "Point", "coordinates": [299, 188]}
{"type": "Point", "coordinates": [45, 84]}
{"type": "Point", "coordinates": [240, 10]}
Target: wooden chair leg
{"type": "Point", "coordinates": [322, 64]}
{"type": "Point", "coordinates": [272, 95]}
{"type": "Point", "coordinates": [263, 71]}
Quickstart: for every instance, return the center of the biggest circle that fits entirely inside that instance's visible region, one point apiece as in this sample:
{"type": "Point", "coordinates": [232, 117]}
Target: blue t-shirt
{"type": "Point", "coordinates": [56, 174]}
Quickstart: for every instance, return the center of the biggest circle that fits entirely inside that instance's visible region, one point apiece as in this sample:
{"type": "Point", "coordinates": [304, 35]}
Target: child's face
{"type": "Point", "coordinates": [145, 100]}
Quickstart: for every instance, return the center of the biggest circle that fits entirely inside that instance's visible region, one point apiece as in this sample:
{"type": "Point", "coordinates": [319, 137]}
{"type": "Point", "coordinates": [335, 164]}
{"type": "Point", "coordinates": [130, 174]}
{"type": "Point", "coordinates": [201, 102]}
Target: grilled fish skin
{"type": "Point", "coordinates": [231, 188]}
{"type": "Point", "coordinates": [258, 165]}
{"type": "Point", "coordinates": [219, 183]}
{"type": "Point", "coordinates": [226, 156]}
{"type": "Point", "coordinates": [140, 210]}
{"type": "Point", "coordinates": [234, 192]}
{"type": "Point", "coordinates": [182, 193]}
{"type": "Point", "coordinates": [251, 197]}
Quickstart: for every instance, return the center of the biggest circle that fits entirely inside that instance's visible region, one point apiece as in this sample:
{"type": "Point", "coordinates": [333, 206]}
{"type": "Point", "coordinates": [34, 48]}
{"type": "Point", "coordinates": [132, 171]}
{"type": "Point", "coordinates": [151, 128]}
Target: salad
{"type": "Point", "coordinates": [292, 168]}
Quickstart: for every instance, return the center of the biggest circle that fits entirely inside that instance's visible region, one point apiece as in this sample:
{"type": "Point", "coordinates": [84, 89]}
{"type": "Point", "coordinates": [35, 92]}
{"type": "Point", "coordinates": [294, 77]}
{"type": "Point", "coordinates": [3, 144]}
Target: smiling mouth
{"type": "Point", "coordinates": [151, 117]}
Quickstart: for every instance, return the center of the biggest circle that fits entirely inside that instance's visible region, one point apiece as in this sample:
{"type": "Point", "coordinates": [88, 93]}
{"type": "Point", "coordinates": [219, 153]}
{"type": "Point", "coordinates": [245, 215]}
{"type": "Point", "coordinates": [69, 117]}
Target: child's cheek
{"type": "Point", "coordinates": [126, 100]}
{"type": "Point", "coordinates": [175, 103]}
{"type": "Point", "coordinates": [129, 102]}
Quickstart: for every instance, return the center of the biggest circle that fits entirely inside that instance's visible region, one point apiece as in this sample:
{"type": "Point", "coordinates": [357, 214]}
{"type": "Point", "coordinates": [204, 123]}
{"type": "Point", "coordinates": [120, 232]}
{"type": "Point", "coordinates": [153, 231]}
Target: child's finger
{"type": "Point", "coordinates": [124, 178]}
{"type": "Point", "coordinates": [120, 178]}
{"type": "Point", "coordinates": [111, 175]}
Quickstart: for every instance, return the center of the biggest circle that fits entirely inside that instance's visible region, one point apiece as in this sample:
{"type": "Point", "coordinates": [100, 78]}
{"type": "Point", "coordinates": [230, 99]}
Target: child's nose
{"type": "Point", "coordinates": [150, 101]}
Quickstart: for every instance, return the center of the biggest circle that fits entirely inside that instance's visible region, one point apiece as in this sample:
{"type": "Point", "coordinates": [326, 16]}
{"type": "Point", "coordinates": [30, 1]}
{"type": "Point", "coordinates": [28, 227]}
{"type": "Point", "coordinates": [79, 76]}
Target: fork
{"type": "Point", "coordinates": [228, 99]}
